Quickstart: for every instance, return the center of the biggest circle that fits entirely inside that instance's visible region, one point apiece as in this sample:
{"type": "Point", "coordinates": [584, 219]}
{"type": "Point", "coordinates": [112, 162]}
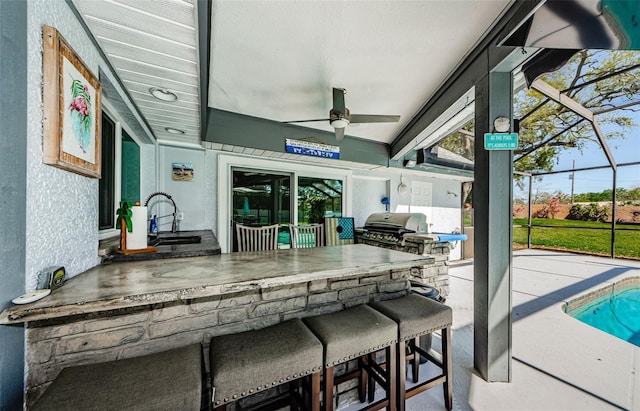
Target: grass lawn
{"type": "Point", "coordinates": [584, 236]}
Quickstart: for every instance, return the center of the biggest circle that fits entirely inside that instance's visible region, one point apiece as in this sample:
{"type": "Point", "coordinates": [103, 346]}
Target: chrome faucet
{"type": "Point", "coordinates": [175, 209]}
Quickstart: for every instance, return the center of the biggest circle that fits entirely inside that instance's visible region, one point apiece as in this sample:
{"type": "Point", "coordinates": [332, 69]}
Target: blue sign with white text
{"type": "Point", "coordinates": [308, 148]}
{"type": "Point", "coordinates": [500, 141]}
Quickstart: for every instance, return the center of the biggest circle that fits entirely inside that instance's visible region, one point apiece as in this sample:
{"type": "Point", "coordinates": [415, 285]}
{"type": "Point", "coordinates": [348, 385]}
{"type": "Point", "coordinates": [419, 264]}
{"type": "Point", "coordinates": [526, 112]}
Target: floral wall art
{"type": "Point", "coordinates": [71, 97]}
{"type": "Point", "coordinates": [79, 120]}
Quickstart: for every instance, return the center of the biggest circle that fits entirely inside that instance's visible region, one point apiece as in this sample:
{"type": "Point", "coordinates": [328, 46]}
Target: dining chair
{"type": "Point", "coordinates": [307, 236]}
{"type": "Point", "coordinates": [257, 238]}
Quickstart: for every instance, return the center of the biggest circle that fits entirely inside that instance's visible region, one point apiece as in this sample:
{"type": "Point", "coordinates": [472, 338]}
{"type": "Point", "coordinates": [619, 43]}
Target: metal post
{"type": "Point", "coordinates": [573, 179]}
{"type": "Point", "coordinates": [529, 221]}
{"type": "Point", "coordinates": [613, 213]}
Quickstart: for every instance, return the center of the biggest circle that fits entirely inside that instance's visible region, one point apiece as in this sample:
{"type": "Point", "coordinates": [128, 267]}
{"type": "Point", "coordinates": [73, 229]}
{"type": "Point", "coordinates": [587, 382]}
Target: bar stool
{"type": "Point", "coordinates": [353, 334]}
{"type": "Point", "coordinates": [417, 315]}
{"type": "Point", "coordinates": [169, 380]}
{"type": "Point", "coordinates": [246, 363]}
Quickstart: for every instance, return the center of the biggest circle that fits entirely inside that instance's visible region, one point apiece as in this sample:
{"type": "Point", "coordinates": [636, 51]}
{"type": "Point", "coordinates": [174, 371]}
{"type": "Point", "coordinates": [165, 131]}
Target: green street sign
{"type": "Point", "coordinates": [500, 141]}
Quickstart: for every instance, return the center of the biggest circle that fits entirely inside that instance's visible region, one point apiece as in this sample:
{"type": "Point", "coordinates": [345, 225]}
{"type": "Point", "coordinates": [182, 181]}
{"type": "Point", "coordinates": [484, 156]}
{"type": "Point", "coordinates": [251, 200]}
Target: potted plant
{"type": "Point", "coordinates": [123, 222]}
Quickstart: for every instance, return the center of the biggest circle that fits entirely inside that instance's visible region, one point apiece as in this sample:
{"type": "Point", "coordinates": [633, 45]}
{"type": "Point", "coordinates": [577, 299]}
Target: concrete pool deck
{"type": "Point", "coordinates": [559, 363]}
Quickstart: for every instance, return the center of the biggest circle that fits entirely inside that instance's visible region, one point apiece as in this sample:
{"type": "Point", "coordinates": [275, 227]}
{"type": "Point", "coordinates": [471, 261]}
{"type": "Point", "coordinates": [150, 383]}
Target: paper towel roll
{"type": "Point", "coordinates": [137, 238]}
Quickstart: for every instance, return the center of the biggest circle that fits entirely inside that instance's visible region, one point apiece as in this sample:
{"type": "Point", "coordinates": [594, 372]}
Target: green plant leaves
{"type": "Point", "coordinates": [77, 88]}
{"type": "Point", "coordinates": [124, 213]}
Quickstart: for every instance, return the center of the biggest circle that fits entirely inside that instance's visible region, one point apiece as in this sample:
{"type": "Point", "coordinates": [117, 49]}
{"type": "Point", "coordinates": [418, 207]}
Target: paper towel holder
{"type": "Point", "coordinates": [124, 215]}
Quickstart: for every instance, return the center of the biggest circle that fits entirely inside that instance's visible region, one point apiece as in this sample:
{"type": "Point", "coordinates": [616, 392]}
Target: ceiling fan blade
{"type": "Point", "coordinates": [373, 118]}
{"type": "Point", "coordinates": [338, 100]}
{"type": "Point", "coordinates": [340, 134]}
{"type": "Point", "coordinates": [305, 121]}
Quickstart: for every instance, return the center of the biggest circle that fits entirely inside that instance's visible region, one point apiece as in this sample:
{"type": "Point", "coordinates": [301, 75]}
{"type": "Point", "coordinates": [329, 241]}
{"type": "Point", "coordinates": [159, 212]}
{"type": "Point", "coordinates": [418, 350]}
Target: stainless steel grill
{"type": "Point", "coordinates": [391, 227]}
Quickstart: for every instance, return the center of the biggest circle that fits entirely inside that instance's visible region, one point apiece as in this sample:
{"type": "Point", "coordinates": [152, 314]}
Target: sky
{"type": "Point", "coordinates": [625, 150]}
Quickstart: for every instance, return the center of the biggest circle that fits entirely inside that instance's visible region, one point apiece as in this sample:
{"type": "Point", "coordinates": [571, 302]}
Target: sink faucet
{"type": "Point", "coordinates": [175, 209]}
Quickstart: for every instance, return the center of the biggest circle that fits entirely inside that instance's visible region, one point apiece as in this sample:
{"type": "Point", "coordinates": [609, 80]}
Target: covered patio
{"type": "Point", "coordinates": [559, 363]}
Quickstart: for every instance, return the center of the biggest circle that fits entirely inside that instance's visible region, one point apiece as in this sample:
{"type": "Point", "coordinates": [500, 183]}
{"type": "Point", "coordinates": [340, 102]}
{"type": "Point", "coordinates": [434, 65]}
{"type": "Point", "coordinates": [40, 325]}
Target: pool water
{"type": "Point", "coordinates": [618, 315]}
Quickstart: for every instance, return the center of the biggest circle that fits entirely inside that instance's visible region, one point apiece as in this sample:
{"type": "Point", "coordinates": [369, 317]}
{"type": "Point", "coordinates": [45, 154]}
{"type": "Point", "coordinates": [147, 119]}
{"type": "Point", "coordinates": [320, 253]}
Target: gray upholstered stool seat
{"type": "Point", "coordinates": [417, 315]}
{"type": "Point", "coordinates": [170, 380]}
{"type": "Point", "coordinates": [245, 363]}
{"type": "Point", "coordinates": [352, 334]}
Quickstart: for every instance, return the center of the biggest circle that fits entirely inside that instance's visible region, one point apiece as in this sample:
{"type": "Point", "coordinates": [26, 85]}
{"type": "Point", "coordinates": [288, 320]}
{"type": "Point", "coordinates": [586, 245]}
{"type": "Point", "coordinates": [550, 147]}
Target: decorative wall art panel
{"type": "Point", "coordinates": [72, 114]}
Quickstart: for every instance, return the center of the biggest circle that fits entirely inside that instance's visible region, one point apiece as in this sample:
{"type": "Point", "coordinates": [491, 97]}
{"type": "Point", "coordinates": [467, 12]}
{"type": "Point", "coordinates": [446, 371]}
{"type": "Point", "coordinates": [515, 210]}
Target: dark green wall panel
{"type": "Point", "coordinates": [13, 186]}
{"type": "Point", "coordinates": [239, 130]}
{"type": "Point", "coordinates": [130, 169]}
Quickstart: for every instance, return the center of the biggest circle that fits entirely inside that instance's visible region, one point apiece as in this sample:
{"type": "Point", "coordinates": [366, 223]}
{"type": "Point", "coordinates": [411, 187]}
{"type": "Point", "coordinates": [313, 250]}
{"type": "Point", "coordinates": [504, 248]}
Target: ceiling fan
{"type": "Point", "coordinates": [340, 117]}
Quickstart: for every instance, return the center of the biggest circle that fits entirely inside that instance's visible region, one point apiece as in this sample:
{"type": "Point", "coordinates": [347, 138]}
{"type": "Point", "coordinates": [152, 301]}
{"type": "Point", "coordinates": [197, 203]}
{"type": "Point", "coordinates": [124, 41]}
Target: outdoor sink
{"type": "Point", "coordinates": [175, 240]}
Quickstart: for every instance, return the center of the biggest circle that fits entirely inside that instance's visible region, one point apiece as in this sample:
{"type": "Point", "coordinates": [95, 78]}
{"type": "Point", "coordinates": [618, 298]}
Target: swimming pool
{"type": "Point", "coordinates": [614, 309]}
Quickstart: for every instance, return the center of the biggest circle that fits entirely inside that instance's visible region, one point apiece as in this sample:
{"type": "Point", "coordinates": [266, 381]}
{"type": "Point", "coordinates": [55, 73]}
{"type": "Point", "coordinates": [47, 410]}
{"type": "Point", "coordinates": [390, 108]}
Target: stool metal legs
{"type": "Point", "coordinates": [446, 357]}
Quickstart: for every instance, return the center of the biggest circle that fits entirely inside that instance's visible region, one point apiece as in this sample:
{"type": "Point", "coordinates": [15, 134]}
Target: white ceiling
{"type": "Point", "coordinates": [279, 60]}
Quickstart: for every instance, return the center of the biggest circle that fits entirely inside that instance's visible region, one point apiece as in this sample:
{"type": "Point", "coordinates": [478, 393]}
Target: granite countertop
{"type": "Point", "coordinates": [121, 285]}
{"type": "Point", "coordinates": [208, 245]}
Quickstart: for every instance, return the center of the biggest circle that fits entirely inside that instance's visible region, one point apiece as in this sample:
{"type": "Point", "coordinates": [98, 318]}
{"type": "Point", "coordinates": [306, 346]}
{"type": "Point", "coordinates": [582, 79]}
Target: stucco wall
{"type": "Point", "coordinates": [211, 191]}
{"type": "Point", "coordinates": [367, 196]}
{"type": "Point", "coordinates": [62, 213]}
{"type": "Point", "coordinates": [197, 198]}
{"type": "Point", "coordinates": [189, 196]}
{"type": "Point", "coordinates": [62, 207]}
{"type": "Point", "coordinates": [148, 181]}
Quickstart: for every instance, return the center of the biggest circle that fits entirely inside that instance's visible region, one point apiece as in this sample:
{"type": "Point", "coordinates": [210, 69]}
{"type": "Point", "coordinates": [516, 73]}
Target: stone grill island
{"type": "Point", "coordinates": [435, 272]}
{"type": "Point", "coordinates": [127, 309]}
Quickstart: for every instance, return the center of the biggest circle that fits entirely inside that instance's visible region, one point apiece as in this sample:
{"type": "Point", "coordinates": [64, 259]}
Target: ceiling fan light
{"type": "Point", "coordinates": [163, 94]}
{"type": "Point", "coordinates": [339, 123]}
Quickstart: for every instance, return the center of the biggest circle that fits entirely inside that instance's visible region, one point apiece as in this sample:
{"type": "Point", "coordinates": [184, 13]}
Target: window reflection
{"type": "Point", "coordinates": [318, 198]}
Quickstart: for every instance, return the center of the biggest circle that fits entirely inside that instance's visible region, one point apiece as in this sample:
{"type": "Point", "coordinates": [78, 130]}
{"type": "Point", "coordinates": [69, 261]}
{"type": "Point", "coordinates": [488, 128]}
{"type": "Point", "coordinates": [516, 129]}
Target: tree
{"type": "Point", "coordinates": [316, 215]}
{"type": "Point", "coordinates": [461, 142]}
{"type": "Point", "coordinates": [605, 82]}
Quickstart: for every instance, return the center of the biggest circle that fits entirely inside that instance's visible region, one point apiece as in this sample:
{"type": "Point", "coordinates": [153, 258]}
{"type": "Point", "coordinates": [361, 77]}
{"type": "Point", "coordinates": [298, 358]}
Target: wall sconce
{"type": "Point", "coordinates": [410, 163]}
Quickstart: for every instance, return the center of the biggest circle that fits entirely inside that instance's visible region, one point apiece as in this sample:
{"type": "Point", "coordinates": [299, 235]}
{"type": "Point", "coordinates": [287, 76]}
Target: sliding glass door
{"type": "Point", "coordinates": [259, 192]}
{"type": "Point", "coordinates": [260, 198]}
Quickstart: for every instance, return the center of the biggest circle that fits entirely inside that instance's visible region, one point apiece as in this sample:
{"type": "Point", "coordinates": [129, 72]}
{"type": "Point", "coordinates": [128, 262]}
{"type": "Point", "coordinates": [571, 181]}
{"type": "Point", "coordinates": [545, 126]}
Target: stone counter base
{"type": "Point", "coordinates": [131, 333]}
{"type": "Point", "coordinates": [436, 274]}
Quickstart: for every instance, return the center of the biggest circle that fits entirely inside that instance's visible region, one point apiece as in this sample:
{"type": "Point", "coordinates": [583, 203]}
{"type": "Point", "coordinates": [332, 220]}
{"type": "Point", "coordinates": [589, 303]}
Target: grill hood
{"type": "Point", "coordinates": [396, 221]}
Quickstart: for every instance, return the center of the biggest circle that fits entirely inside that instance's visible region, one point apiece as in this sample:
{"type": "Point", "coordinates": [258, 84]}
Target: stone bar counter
{"type": "Point", "coordinates": [127, 309]}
